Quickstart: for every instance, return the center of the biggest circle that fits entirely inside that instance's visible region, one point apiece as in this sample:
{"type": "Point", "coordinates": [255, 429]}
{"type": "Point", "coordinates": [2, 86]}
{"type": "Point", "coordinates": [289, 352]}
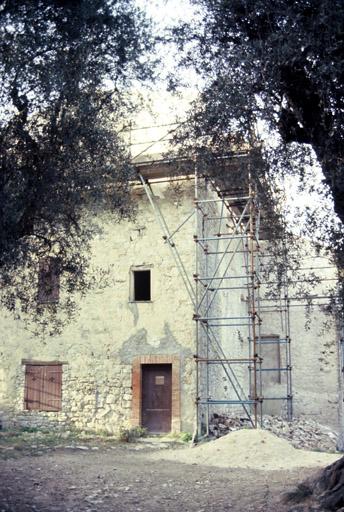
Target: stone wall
{"type": "Point", "coordinates": [111, 329]}
{"type": "Point", "coordinates": [314, 350]}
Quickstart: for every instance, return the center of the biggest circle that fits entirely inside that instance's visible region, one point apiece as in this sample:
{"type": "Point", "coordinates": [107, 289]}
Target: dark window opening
{"type": "Point", "coordinates": [142, 285]}
{"type": "Point", "coordinates": [43, 387]}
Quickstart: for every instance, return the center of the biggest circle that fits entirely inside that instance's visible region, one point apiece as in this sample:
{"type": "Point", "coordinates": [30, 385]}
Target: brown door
{"type": "Point", "coordinates": [157, 397]}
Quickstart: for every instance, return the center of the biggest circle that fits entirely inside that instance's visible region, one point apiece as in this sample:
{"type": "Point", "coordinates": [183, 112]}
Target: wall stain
{"type": "Point", "coordinates": [138, 345]}
{"type": "Point", "coordinates": [132, 306]}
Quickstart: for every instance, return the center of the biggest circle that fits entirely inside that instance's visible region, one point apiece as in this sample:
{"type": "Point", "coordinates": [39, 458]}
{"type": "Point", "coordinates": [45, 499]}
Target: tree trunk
{"type": "Point", "coordinates": [329, 487]}
{"type": "Point", "coordinates": [325, 489]}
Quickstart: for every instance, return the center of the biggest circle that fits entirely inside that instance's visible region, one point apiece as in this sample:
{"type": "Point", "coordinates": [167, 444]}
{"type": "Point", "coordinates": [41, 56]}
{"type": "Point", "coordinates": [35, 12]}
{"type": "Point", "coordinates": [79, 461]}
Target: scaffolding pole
{"type": "Point", "coordinates": [229, 263]}
{"type": "Point", "coordinates": [226, 291]}
{"type": "Point", "coordinates": [223, 235]}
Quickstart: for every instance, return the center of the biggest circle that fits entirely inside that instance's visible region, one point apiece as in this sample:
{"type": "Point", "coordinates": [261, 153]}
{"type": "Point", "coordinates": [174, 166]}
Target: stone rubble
{"type": "Point", "coordinates": [301, 433]}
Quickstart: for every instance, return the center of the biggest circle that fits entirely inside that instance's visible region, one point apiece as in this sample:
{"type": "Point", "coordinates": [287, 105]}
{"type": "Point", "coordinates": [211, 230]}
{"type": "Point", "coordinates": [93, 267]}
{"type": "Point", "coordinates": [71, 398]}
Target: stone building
{"type": "Point", "coordinates": [129, 357]}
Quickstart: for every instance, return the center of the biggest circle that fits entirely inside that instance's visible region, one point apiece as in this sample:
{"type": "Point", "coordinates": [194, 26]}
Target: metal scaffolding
{"type": "Point", "coordinates": [229, 292]}
{"type": "Point", "coordinates": [277, 309]}
{"type": "Point", "coordinates": [226, 229]}
{"type": "Point", "coordinates": [228, 239]}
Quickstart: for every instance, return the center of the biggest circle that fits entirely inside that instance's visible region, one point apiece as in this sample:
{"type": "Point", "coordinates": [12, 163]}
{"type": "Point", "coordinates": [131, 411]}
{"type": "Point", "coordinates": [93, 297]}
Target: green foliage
{"type": "Point", "coordinates": [130, 434]}
{"type": "Point", "coordinates": [185, 437]}
{"type": "Point", "coordinates": [31, 430]}
{"type": "Point", "coordinates": [65, 72]}
{"type": "Point", "coordinates": [272, 71]}
{"type": "Point", "coordinates": [278, 63]}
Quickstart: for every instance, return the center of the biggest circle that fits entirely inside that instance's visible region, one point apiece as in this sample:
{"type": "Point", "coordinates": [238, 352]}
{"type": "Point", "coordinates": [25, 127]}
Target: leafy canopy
{"type": "Point", "coordinates": [65, 67]}
{"type": "Point", "coordinates": [272, 77]}
{"type": "Point", "coordinates": [273, 64]}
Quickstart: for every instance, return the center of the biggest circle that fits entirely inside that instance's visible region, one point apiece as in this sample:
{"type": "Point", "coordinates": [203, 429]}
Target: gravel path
{"type": "Point", "coordinates": [125, 478]}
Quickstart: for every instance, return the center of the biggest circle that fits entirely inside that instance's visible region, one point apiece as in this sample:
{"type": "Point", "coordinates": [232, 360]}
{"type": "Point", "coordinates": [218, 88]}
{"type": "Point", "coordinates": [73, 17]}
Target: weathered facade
{"type": "Point", "coordinates": [138, 334]}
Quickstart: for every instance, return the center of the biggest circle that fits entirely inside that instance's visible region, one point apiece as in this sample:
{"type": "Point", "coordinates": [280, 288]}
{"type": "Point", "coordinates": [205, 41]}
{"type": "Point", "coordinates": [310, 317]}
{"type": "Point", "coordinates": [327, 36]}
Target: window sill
{"type": "Point", "coordinates": [140, 302]}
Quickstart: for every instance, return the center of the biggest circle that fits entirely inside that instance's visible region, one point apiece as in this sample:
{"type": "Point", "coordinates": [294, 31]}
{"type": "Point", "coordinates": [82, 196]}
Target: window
{"type": "Point", "coordinates": [270, 351]}
{"type": "Point", "coordinates": [43, 386]}
{"type": "Point", "coordinates": [48, 281]}
{"type": "Point", "coordinates": [141, 285]}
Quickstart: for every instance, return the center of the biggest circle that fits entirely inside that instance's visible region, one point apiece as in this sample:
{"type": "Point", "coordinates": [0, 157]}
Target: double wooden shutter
{"type": "Point", "coordinates": [43, 387]}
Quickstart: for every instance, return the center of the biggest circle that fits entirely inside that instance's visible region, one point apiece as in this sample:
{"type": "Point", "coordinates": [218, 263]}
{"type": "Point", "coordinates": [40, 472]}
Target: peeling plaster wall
{"type": "Point", "coordinates": [99, 346]}
{"type": "Point", "coordinates": [315, 369]}
{"type": "Point", "coordinates": [316, 379]}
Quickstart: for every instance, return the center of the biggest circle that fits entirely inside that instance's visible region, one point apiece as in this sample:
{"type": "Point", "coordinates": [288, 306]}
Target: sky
{"type": "Point", "coordinates": [165, 108]}
{"type": "Point", "coordinates": [168, 12]}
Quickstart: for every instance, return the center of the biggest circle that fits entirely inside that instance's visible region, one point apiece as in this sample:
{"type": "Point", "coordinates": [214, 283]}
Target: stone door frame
{"type": "Point", "coordinates": [137, 387]}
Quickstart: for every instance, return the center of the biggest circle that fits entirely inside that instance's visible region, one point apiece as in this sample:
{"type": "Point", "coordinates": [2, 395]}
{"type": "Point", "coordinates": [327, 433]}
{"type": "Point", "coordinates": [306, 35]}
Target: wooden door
{"type": "Point", "coordinates": [43, 387]}
{"type": "Point", "coordinates": [157, 397]}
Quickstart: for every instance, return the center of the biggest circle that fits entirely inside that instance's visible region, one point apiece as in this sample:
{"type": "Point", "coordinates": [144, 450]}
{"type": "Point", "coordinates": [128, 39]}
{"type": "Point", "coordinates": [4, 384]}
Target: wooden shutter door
{"type": "Point", "coordinates": [43, 387]}
{"type": "Point", "coordinates": [49, 280]}
{"type": "Point", "coordinates": [55, 280]}
{"type": "Point", "coordinates": [52, 388]}
{"type": "Point", "coordinates": [33, 387]}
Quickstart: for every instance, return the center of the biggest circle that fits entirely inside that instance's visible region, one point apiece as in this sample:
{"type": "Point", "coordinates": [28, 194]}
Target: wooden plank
{"type": "Point", "coordinates": [157, 397]}
{"type": "Point", "coordinates": [43, 387]}
{"type": "Point", "coordinates": [51, 389]}
{"type": "Point", "coordinates": [33, 385]}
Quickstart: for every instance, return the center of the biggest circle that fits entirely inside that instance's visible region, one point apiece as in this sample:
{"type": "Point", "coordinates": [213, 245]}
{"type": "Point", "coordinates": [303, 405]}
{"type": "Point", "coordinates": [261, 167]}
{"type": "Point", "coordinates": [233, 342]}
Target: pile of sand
{"type": "Point", "coordinates": [249, 448]}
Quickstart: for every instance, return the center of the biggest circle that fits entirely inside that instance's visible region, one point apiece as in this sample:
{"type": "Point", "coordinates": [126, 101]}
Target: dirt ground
{"type": "Point", "coordinates": [122, 477]}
